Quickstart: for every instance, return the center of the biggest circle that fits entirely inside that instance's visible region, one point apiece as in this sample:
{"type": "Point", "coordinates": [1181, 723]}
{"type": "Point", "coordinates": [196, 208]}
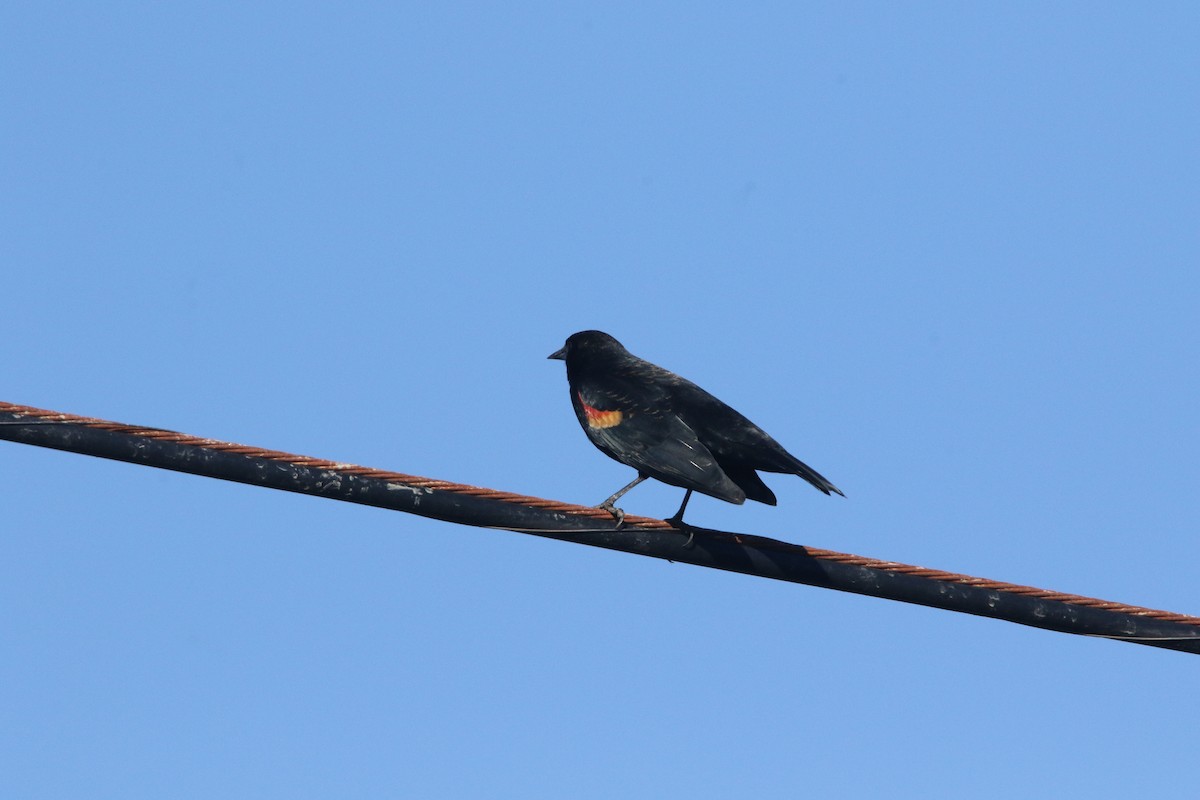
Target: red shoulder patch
{"type": "Point", "coordinates": [597, 418]}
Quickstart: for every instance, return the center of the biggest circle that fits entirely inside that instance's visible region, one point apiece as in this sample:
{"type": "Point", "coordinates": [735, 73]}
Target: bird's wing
{"type": "Point", "coordinates": [652, 440]}
{"type": "Point", "coordinates": [737, 441]}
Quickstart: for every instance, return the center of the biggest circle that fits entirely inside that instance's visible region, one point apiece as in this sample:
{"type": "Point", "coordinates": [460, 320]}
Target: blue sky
{"type": "Point", "coordinates": [946, 253]}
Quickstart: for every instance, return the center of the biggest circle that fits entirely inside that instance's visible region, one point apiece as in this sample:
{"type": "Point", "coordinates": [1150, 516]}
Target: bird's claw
{"type": "Point", "coordinates": [681, 526]}
{"type": "Point", "coordinates": [618, 514]}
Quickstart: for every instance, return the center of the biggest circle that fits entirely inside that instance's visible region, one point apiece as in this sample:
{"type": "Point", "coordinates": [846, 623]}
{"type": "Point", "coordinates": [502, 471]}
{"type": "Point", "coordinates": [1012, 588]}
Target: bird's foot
{"type": "Point", "coordinates": [618, 514]}
{"type": "Point", "coordinates": [681, 526]}
{"type": "Point", "coordinates": [678, 523]}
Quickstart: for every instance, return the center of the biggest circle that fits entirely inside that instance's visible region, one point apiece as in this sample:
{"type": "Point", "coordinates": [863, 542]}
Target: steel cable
{"type": "Point", "coordinates": [489, 508]}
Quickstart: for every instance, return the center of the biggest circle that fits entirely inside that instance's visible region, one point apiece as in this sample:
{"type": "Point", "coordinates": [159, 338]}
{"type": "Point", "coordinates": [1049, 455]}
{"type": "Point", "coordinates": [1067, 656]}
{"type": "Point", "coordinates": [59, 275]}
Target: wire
{"type": "Point", "coordinates": [489, 508]}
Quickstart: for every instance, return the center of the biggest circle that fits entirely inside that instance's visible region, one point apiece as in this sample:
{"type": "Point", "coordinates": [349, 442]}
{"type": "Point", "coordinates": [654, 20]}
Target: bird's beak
{"type": "Point", "coordinates": [559, 355]}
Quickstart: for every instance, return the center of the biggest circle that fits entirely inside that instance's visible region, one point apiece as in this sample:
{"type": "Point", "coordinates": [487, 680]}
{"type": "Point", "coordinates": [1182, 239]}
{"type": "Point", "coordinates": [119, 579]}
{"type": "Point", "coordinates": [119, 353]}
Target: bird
{"type": "Point", "coordinates": [669, 429]}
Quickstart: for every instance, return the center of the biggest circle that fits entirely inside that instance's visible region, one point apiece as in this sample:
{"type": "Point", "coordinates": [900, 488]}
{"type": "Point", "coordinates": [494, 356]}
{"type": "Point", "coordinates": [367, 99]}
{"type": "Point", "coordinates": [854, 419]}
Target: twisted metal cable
{"type": "Point", "coordinates": [478, 506]}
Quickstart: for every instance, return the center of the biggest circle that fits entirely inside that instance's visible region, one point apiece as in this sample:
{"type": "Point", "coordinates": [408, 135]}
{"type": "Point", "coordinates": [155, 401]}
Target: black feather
{"type": "Point", "coordinates": [668, 428]}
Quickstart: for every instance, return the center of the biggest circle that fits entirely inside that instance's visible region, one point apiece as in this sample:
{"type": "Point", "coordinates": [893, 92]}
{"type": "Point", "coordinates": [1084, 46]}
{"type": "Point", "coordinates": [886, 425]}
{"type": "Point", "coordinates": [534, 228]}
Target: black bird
{"type": "Point", "coordinates": [668, 428]}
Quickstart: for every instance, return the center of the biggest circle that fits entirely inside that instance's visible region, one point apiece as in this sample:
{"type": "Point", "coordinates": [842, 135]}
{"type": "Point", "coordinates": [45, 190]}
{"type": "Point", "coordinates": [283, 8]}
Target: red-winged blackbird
{"type": "Point", "coordinates": [667, 427]}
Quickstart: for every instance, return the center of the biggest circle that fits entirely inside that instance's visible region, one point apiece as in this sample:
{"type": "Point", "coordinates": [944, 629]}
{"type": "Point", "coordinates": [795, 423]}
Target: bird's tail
{"type": "Point", "coordinates": [815, 478]}
{"type": "Point", "coordinates": [749, 482]}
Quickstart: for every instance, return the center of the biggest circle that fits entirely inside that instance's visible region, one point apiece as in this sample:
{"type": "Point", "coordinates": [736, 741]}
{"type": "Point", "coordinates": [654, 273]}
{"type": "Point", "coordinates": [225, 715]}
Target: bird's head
{"type": "Point", "coordinates": [587, 344]}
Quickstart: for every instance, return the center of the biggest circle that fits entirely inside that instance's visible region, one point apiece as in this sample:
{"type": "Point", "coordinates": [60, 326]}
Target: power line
{"type": "Point", "coordinates": [472, 505]}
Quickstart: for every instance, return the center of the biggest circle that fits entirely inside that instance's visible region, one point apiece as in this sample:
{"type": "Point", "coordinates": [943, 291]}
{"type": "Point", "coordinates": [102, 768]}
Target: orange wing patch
{"type": "Point", "coordinates": [600, 419]}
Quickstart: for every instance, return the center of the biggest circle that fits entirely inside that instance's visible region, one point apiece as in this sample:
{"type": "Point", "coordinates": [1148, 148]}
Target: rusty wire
{"type": "Point", "coordinates": [44, 416]}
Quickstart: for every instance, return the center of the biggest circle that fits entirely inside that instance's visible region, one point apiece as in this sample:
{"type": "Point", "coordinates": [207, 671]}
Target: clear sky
{"type": "Point", "coordinates": [947, 253]}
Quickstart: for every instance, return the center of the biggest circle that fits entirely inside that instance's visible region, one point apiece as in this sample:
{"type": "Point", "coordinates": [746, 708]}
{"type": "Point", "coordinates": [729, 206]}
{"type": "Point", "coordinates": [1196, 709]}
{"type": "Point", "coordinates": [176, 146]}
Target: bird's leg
{"type": "Point", "coordinates": [677, 519]}
{"type": "Point", "coordinates": [617, 513]}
